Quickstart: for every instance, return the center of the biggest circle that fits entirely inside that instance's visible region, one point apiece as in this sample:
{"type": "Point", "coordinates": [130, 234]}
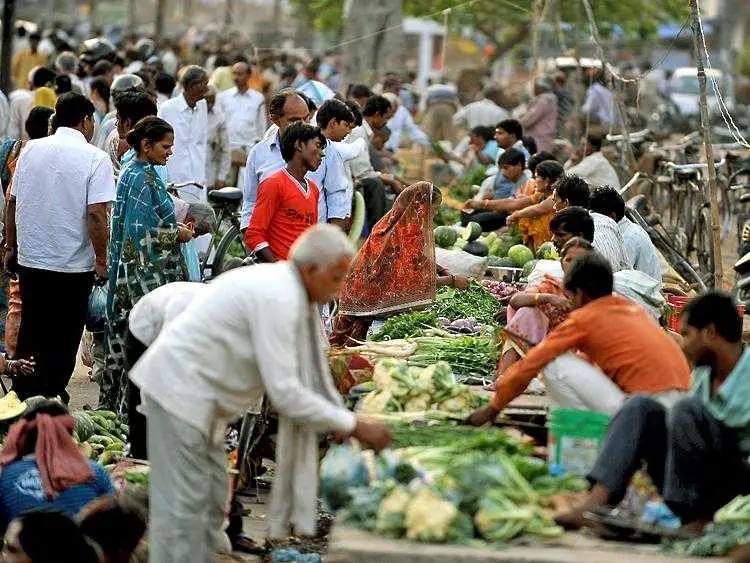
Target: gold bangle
{"type": "Point", "coordinates": [536, 299]}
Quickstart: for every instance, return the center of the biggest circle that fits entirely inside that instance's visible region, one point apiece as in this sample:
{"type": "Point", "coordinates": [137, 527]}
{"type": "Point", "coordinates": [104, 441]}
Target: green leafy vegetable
{"type": "Point", "coordinates": [406, 325]}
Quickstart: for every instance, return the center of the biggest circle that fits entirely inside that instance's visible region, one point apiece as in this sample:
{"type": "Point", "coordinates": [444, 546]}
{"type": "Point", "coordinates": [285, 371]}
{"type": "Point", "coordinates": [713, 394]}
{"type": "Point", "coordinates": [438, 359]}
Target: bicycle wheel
{"type": "Point", "coordinates": [705, 246]}
{"type": "Point", "coordinates": [231, 248]}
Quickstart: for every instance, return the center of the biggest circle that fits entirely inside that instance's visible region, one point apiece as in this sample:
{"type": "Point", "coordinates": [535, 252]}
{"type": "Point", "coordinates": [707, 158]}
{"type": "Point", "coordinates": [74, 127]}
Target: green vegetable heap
{"type": "Point", "coordinates": [400, 388]}
{"type": "Point", "coordinates": [475, 302]}
{"type": "Point", "coordinates": [102, 435]}
{"type": "Point", "coordinates": [729, 529]}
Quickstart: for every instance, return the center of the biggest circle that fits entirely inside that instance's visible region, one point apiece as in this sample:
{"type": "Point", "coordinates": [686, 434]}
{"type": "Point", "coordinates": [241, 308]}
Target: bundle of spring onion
{"type": "Point", "coordinates": [474, 302]}
{"type": "Point", "coordinates": [467, 355]}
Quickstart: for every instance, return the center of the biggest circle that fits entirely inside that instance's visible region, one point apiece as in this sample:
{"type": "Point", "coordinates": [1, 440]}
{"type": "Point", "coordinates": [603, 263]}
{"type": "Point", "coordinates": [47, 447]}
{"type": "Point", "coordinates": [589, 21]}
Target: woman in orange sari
{"type": "Point", "coordinates": [533, 220]}
{"type": "Point", "coordinates": [395, 270]}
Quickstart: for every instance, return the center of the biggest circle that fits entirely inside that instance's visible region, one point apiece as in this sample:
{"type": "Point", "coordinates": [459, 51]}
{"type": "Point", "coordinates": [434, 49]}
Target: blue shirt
{"type": "Point", "coordinates": [129, 155]}
{"type": "Point", "coordinates": [730, 405]}
{"type": "Point", "coordinates": [490, 150]}
{"type": "Point", "coordinates": [504, 188]}
{"type": "Point", "coordinates": [264, 159]}
{"type": "Point", "coordinates": [21, 489]}
{"type": "Point", "coordinates": [335, 200]}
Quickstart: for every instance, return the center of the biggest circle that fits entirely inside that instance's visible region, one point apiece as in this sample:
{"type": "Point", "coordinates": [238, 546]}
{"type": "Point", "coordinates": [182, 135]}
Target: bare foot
{"type": "Point", "coordinates": [573, 518]}
{"type": "Point", "coordinates": [695, 528]}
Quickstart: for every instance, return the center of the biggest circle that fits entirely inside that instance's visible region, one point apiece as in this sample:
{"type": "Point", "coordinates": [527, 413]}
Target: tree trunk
{"type": "Point", "coordinates": [705, 129]}
{"type": "Point", "coordinates": [132, 22]}
{"type": "Point", "coordinates": [9, 17]}
{"type": "Point", "coordinates": [161, 6]}
{"type": "Point", "coordinates": [368, 50]}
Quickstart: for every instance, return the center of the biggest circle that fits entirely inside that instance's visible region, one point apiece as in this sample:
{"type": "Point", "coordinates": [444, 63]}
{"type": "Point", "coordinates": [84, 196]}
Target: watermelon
{"type": "Point", "coordinates": [520, 255]}
{"type": "Point", "coordinates": [472, 232]}
{"type": "Point", "coordinates": [503, 245]}
{"type": "Point", "coordinates": [547, 251]}
{"type": "Point", "coordinates": [476, 248]}
{"type": "Point", "coordinates": [497, 262]}
{"type": "Point", "coordinates": [445, 237]}
{"type": "Point", "coordinates": [460, 243]}
{"type": "Point", "coordinates": [528, 268]}
{"type": "Point", "coordinates": [84, 427]}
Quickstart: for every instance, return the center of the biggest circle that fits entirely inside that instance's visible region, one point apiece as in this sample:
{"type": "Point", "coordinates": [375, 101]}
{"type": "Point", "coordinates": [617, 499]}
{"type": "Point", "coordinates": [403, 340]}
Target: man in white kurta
{"type": "Point", "coordinates": [253, 331]}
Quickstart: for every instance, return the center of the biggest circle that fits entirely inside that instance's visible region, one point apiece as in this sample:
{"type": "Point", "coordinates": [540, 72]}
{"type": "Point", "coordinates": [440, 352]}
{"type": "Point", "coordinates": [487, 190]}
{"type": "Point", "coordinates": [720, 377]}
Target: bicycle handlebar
{"type": "Point", "coordinates": [177, 186]}
{"type": "Point", "coordinates": [632, 181]}
{"type": "Point", "coordinates": [692, 167]}
{"type": "Point", "coordinates": [635, 136]}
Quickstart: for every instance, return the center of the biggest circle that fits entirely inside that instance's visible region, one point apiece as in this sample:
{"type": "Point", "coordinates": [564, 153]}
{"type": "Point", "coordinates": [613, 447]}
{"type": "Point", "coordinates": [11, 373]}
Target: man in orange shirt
{"type": "Point", "coordinates": [630, 353]}
{"type": "Point", "coordinates": [287, 202]}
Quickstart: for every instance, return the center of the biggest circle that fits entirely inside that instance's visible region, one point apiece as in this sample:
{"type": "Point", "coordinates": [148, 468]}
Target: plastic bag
{"type": "Point", "coordinates": [460, 263]}
{"type": "Point", "coordinates": [97, 312]}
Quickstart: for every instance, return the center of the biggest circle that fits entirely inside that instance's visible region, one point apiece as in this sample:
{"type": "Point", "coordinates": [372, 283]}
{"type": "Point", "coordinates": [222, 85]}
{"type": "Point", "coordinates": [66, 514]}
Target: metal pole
{"type": "Point", "coordinates": [9, 17]}
{"type": "Point", "coordinates": [159, 24]}
{"type": "Point", "coordinates": [705, 130]}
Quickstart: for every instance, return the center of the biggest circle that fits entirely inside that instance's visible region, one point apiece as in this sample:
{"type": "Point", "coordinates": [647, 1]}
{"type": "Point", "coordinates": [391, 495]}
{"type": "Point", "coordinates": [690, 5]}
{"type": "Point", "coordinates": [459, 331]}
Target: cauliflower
{"type": "Point", "coordinates": [442, 376]}
{"type": "Point", "coordinates": [381, 375]}
{"type": "Point", "coordinates": [419, 403]}
{"type": "Point", "coordinates": [461, 403]}
{"type": "Point", "coordinates": [499, 520]}
{"type": "Point", "coordinates": [429, 517]}
{"type": "Point", "coordinates": [375, 402]}
{"type": "Point", "coordinates": [391, 513]}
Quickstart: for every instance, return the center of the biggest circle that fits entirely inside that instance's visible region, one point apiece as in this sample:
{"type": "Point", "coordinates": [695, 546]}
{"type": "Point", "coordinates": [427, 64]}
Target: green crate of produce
{"type": "Point", "coordinates": [575, 437]}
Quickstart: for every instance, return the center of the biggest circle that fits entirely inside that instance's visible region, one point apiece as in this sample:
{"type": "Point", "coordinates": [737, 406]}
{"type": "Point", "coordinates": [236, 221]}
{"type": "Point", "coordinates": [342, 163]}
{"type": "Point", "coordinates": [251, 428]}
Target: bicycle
{"type": "Point", "coordinates": [226, 244]}
{"type": "Point", "coordinates": [637, 210]}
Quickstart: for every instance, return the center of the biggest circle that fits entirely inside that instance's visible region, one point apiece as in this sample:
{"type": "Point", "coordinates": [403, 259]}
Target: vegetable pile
{"type": "Point", "coordinates": [467, 355]}
{"type": "Point", "coordinates": [475, 302]}
{"type": "Point", "coordinates": [101, 435]}
{"type": "Point", "coordinates": [452, 484]}
{"type": "Point", "coordinates": [403, 388]}
{"type": "Point", "coordinates": [500, 290]}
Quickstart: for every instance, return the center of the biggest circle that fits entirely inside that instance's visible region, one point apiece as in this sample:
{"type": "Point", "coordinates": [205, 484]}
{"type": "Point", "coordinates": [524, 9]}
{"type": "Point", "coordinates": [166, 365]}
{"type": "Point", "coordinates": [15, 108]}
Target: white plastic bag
{"type": "Point", "coordinates": [460, 263]}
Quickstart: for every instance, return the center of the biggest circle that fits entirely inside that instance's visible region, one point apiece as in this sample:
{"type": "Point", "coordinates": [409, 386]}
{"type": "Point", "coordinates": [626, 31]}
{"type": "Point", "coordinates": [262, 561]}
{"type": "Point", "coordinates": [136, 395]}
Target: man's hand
{"type": "Point", "coordinates": [10, 262]}
{"type": "Point", "coordinates": [184, 233]}
{"type": "Point", "coordinates": [372, 434]}
{"type": "Point", "coordinates": [460, 282]}
{"type": "Point", "coordinates": [485, 415]}
{"type": "Point", "coordinates": [100, 270]}
{"type": "Point", "coordinates": [471, 204]}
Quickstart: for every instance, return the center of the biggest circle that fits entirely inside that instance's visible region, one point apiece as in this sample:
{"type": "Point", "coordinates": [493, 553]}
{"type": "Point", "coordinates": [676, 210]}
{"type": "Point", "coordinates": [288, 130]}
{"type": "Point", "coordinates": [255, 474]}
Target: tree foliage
{"type": "Point", "coordinates": [507, 21]}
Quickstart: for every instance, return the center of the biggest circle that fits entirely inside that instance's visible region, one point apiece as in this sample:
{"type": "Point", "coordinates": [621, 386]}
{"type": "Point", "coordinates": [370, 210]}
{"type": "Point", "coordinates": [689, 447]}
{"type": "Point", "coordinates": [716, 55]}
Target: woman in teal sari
{"type": "Point", "coordinates": [144, 247]}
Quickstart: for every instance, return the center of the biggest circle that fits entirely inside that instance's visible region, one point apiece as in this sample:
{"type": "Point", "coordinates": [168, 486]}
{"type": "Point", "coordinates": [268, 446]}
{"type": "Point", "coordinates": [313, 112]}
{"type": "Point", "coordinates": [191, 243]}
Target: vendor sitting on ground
{"type": "Point", "coordinates": [540, 308]}
{"type": "Point", "coordinates": [607, 201]}
{"type": "Point", "coordinates": [533, 213]}
{"type": "Point", "coordinates": [627, 352]}
{"type": "Point", "coordinates": [696, 454]}
{"type": "Point", "coordinates": [395, 270]}
{"type": "Point", "coordinates": [574, 191]}
{"type": "Point", "coordinates": [42, 466]}
{"type": "Point", "coordinates": [489, 208]}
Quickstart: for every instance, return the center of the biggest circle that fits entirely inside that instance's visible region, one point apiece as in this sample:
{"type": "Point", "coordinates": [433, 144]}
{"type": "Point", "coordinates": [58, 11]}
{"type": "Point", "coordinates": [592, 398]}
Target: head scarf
{"type": "Point", "coordinates": [395, 269]}
{"type": "Point", "coordinates": [61, 464]}
{"type": "Point", "coordinates": [45, 97]}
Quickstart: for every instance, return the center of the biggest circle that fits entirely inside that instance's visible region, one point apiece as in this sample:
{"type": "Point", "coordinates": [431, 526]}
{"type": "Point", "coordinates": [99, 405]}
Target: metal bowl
{"type": "Point", "coordinates": [508, 275]}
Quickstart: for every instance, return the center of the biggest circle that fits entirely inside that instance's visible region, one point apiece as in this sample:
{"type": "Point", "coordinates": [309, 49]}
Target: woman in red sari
{"type": "Point", "coordinates": [395, 270]}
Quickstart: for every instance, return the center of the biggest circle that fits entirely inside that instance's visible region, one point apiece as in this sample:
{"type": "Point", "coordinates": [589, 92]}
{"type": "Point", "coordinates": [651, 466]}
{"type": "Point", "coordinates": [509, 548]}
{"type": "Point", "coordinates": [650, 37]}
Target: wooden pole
{"type": "Point", "coordinates": [705, 130]}
{"type": "Point", "coordinates": [9, 18]}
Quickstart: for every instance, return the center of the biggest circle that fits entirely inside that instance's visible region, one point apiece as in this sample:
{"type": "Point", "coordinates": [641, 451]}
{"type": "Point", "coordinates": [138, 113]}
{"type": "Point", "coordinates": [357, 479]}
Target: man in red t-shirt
{"type": "Point", "coordinates": [287, 202]}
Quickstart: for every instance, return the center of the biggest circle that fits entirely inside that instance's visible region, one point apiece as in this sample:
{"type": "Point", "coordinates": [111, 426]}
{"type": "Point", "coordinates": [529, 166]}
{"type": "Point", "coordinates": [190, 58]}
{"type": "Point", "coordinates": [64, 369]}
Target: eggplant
{"type": "Point", "coordinates": [476, 248]}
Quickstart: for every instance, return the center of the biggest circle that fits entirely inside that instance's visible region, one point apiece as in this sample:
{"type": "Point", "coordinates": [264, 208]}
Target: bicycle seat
{"type": "Point", "coordinates": [745, 198]}
{"type": "Point", "coordinates": [225, 195]}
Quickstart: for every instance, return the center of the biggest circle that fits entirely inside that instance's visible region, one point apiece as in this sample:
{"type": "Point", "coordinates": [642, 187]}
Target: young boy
{"type": "Point", "coordinates": [511, 176]}
{"type": "Point", "coordinates": [336, 121]}
{"type": "Point", "coordinates": [287, 202]}
{"type": "Point", "coordinates": [509, 135]}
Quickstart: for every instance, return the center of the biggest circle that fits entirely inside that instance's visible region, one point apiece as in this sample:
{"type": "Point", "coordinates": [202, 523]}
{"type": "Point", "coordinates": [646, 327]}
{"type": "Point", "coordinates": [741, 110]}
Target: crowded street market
{"type": "Point", "coordinates": [481, 300]}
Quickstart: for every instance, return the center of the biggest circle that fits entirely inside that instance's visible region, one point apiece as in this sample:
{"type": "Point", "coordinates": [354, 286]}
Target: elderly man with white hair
{"type": "Point", "coordinates": [188, 116]}
{"type": "Point", "coordinates": [252, 331]}
{"type": "Point", "coordinates": [67, 63]}
{"type": "Point", "coordinates": [402, 121]}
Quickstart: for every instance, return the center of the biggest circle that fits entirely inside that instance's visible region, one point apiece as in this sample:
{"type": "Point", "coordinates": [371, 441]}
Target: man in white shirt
{"type": "Point", "coordinates": [254, 331]}
{"type": "Point", "coordinates": [265, 158]}
{"type": "Point", "coordinates": [402, 121]}
{"type": "Point", "coordinates": [188, 116]}
{"type": "Point", "coordinates": [66, 63]}
{"type": "Point", "coordinates": [4, 115]}
{"type": "Point", "coordinates": [336, 121]}
{"type": "Point", "coordinates": [57, 234]}
{"type": "Point", "coordinates": [21, 101]}
{"type": "Point", "coordinates": [245, 110]}
{"type": "Point", "coordinates": [482, 113]}
{"type": "Point", "coordinates": [594, 167]}
{"type": "Point", "coordinates": [217, 163]}
{"type": "Point", "coordinates": [641, 252]}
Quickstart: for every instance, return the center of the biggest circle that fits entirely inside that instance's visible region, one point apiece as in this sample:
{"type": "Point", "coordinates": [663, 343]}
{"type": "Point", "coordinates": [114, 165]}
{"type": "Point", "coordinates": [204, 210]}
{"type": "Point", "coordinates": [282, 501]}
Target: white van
{"type": "Point", "coordinates": [683, 90]}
